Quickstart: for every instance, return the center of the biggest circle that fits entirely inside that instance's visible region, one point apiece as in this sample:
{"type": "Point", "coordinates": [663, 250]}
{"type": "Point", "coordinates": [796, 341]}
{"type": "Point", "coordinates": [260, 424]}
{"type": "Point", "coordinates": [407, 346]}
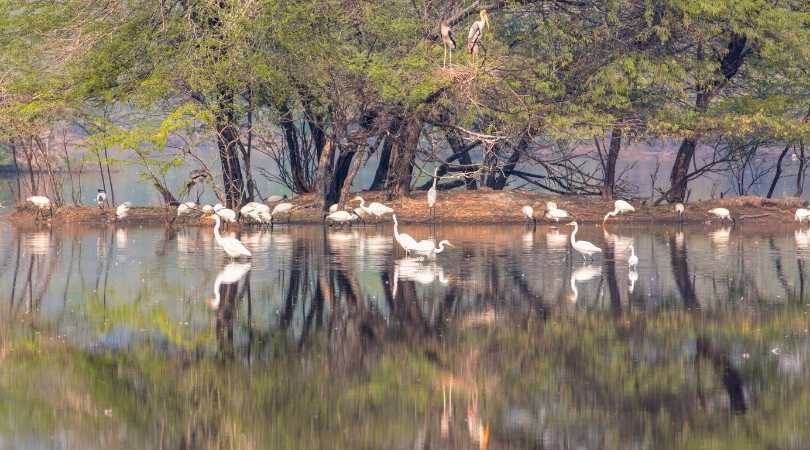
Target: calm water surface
{"type": "Point", "coordinates": [147, 338]}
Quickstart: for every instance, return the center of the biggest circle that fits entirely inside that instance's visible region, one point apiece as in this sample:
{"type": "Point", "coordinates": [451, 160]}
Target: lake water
{"type": "Point", "coordinates": [114, 338]}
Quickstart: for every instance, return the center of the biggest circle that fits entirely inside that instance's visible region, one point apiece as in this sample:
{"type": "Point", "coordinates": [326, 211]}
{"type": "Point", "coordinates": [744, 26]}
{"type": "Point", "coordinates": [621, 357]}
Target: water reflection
{"type": "Point", "coordinates": [335, 342]}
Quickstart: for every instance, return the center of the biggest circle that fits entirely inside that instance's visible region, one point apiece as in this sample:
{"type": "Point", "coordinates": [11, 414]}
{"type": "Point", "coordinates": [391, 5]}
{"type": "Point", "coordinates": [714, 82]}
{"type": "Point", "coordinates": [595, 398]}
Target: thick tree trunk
{"type": "Point", "coordinates": [228, 143]}
{"type": "Point", "coordinates": [609, 180]}
{"type": "Point", "coordinates": [800, 174]}
{"type": "Point", "coordinates": [402, 154]}
{"type": "Point", "coordinates": [462, 153]}
{"type": "Point", "coordinates": [297, 168]}
{"type": "Point", "coordinates": [341, 173]}
{"type": "Point", "coordinates": [324, 175]}
{"type": "Point", "coordinates": [778, 173]}
{"type": "Point", "coordinates": [354, 169]}
{"type": "Point", "coordinates": [381, 175]}
{"type": "Point", "coordinates": [729, 66]}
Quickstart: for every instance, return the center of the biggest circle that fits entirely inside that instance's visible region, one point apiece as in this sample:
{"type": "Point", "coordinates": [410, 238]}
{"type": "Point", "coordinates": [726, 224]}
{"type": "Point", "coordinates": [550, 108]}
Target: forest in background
{"type": "Point", "coordinates": [558, 89]}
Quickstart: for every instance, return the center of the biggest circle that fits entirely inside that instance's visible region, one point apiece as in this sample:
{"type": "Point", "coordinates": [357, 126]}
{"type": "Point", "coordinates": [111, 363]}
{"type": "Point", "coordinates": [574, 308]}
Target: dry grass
{"type": "Point", "coordinates": [483, 206]}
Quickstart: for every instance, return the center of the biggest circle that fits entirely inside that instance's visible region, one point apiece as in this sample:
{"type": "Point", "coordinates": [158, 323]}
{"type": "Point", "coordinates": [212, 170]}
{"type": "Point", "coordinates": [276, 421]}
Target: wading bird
{"type": "Point", "coordinates": [283, 208]}
{"type": "Point", "coordinates": [230, 274]}
{"type": "Point", "coordinates": [476, 34]}
{"type": "Point", "coordinates": [528, 211]}
{"type": "Point", "coordinates": [233, 247]}
{"type": "Point", "coordinates": [721, 213]}
{"type": "Point", "coordinates": [101, 198]}
{"type": "Point", "coordinates": [632, 261]}
{"type": "Point", "coordinates": [226, 214]}
{"type": "Point", "coordinates": [679, 210]}
{"type": "Point", "coordinates": [427, 247]}
{"type": "Point", "coordinates": [40, 202]}
{"type": "Point", "coordinates": [431, 195]}
{"type": "Point", "coordinates": [619, 207]}
{"type": "Point", "coordinates": [447, 41]}
{"type": "Point", "coordinates": [585, 248]}
{"type": "Point", "coordinates": [404, 240]}
{"type": "Point", "coordinates": [183, 209]}
{"type": "Point", "coordinates": [123, 210]}
{"type": "Point", "coordinates": [802, 214]}
{"type": "Point", "coordinates": [554, 213]}
{"type": "Point", "coordinates": [378, 210]}
{"type": "Point", "coordinates": [333, 208]}
{"type": "Point", "coordinates": [208, 209]}
{"type": "Point", "coordinates": [341, 217]}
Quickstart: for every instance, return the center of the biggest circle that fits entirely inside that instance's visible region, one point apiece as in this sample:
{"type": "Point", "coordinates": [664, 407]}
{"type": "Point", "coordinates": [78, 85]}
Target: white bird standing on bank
{"type": "Point", "coordinates": [632, 261]}
{"type": "Point", "coordinates": [40, 202]}
{"type": "Point", "coordinates": [208, 209]}
{"type": "Point", "coordinates": [554, 213]}
{"type": "Point", "coordinates": [431, 195]}
{"type": "Point", "coordinates": [583, 247]}
{"type": "Point", "coordinates": [233, 247]}
{"type": "Point", "coordinates": [122, 210]}
{"type": "Point", "coordinates": [404, 240]}
{"type": "Point", "coordinates": [341, 217]}
{"type": "Point", "coordinates": [378, 210]}
{"type": "Point", "coordinates": [528, 211]}
{"type": "Point", "coordinates": [230, 274]}
{"type": "Point", "coordinates": [427, 247]}
{"type": "Point", "coordinates": [679, 210]}
{"type": "Point", "coordinates": [274, 199]}
{"type": "Point", "coordinates": [101, 198]}
{"type": "Point", "coordinates": [721, 213]}
{"type": "Point", "coordinates": [447, 41]}
{"type": "Point", "coordinates": [283, 208]}
{"type": "Point", "coordinates": [333, 208]}
{"type": "Point", "coordinates": [183, 209]}
{"type": "Point", "coordinates": [226, 214]}
{"type": "Point", "coordinates": [619, 207]}
{"type": "Point", "coordinates": [802, 214]}
{"type": "Point", "coordinates": [476, 34]}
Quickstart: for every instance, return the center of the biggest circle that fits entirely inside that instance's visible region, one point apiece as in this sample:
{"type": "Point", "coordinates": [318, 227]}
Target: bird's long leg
{"type": "Point", "coordinates": [444, 62]}
{"type": "Point", "coordinates": [451, 57]}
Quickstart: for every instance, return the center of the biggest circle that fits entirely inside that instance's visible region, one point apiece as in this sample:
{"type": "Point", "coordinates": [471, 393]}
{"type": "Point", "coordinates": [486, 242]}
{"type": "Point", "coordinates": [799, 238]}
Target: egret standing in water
{"type": "Point", "coordinates": [447, 41]}
{"type": "Point", "coordinates": [476, 34]}
{"type": "Point", "coordinates": [632, 261]}
{"type": "Point", "coordinates": [722, 214]}
{"type": "Point", "coordinates": [431, 195]}
{"type": "Point", "coordinates": [233, 247]}
{"type": "Point", "coordinates": [679, 210]}
{"type": "Point", "coordinates": [528, 211]}
{"type": "Point", "coordinates": [585, 248]}
{"type": "Point", "coordinates": [404, 240]}
{"type": "Point", "coordinates": [428, 247]}
{"type": "Point", "coordinates": [378, 210]}
{"type": "Point", "coordinates": [619, 207]}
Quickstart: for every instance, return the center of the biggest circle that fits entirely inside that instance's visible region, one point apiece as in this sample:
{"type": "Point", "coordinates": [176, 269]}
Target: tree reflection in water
{"type": "Point", "coordinates": [330, 342]}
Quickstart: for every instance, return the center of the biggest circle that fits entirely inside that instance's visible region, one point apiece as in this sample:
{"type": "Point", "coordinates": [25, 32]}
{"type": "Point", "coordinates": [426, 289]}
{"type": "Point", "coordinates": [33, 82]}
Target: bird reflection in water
{"type": "Point", "coordinates": [802, 238]}
{"type": "Point", "coordinates": [556, 240]}
{"type": "Point", "coordinates": [720, 237]}
{"type": "Point", "coordinates": [584, 273]}
{"type": "Point", "coordinates": [633, 277]}
{"type": "Point", "coordinates": [229, 275]}
{"type": "Point", "coordinates": [414, 269]}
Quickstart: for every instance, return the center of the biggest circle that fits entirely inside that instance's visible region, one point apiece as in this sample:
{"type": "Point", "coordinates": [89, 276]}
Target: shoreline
{"type": "Point", "coordinates": [484, 207]}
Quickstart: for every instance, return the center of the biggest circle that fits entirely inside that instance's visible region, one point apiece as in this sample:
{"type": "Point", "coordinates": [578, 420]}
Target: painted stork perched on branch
{"type": "Point", "coordinates": [476, 34]}
{"type": "Point", "coordinates": [447, 41]}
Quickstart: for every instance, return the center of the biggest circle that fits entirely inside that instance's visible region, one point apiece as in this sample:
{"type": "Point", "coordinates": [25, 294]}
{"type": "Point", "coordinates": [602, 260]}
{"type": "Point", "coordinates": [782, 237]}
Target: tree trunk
{"type": "Point", "coordinates": [246, 152]}
{"type": "Point", "coordinates": [228, 143]}
{"type": "Point", "coordinates": [382, 167]}
{"type": "Point", "coordinates": [800, 173]}
{"type": "Point", "coordinates": [293, 150]}
{"type": "Point", "coordinates": [402, 155]}
{"type": "Point", "coordinates": [354, 168]}
{"type": "Point", "coordinates": [461, 152]}
{"type": "Point", "coordinates": [341, 172]}
{"type": "Point", "coordinates": [778, 174]}
{"type": "Point", "coordinates": [324, 174]}
{"type": "Point", "coordinates": [729, 66]}
{"type": "Point", "coordinates": [609, 181]}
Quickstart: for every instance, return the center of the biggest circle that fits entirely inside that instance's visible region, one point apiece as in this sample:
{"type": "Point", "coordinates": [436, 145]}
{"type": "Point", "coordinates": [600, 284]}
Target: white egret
{"type": "Point", "coordinates": [218, 206]}
{"type": "Point", "coordinates": [802, 214]}
{"type": "Point", "coordinates": [528, 211]}
{"type": "Point", "coordinates": [208, 209]}
{"type": "Point", "coordinates": [183, 209]}
{"type": "Point", "coordinates": [39, 201]}
{"type": "Point", "coordinates": [283, 208]}
{"type": "Point", "coordinates": [190, 205]}
{"type": "Point", "coordinates": [619, 207]}
{"type": "Point", "coordinates": [447, 41]}
{"type": "Point", "coordinates": [476, 34]}
{"type": "Point", "coordinates": [431, 194]}
{"type": "Point", "coordinates": [101, 198]}
{"type": "Point", "coordinates": [633, 277]}
{"type": "Point", "coordinates": [554, 213]}
{"type": "Point", "coordinates": [274, 199]}
{"type": "Point", "coordinates": [233, 247]}
{"type": "Point", "coordinates": [583, 247]}
{"type": "Point", "coordinates": [584, 273]}
{"type": "Point", "coordinates": [341, 217]}
{"type": "Point", "coordinates": [226, 214]}
{"type": "Point", "coordinates": [680, 209]}
{"type": "Point", "coordinates": [404, 240]}
{"type": "Point", "coordinates": [333, 208]}
{"type": "Point", "coordinates": [378, 210]}
{"type": "Point", "coordinates": [722, 214]}
{"type": "Point", "coordinates": [632, 261]}
{"type": "Point", "coordinates": [122, 210]}
{"type": "Point", "coordinates": [427, 247]}
{"type": "Point", "coordinates": [230, 274]}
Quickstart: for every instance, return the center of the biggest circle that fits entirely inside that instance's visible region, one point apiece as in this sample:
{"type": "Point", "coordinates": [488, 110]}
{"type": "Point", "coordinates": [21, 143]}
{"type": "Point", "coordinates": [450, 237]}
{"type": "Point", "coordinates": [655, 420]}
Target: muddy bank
{"type": "Point", "coordinates": [480, 207]}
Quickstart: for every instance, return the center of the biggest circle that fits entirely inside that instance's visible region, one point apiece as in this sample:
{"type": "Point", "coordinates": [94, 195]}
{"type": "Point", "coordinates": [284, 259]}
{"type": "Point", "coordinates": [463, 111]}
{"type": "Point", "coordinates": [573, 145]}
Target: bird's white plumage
{"type": "Point", "coordinates": [427, 247]}
{"type": "Point", "coordinates": [554, 213]}
{"type": "Point", "coordinates": [581, 275]}
{"type": "Point", "coordinates": [39, 201]}
{"type": "Point", "coordinates": [721, 213]}
{"type": "Point", "coordinates": [122, 210]}
{"type": "Point", "coordinates": [208, 209]}
{"type": "Point", "coordinates": [230, 274]}
{"type": "Point", "coordinates": [583, 247]}
{"type": "Point", "coordinates": [432, 193]}
{"type": "Point", "coordinates": [282, 208]}
{"type": "Point", "coordinates": [274, 199]}
{"type": "Point", "coordinates": [191, 205]}
{"type": "Point", "coordinates": [632, 261]}
{"type": "Point", "coordinates": [680, 208]}
{"type": "Point", "coordinates": [802, 214]}
{"type": "Point", "coordinates": [333, 208]}
{"type": "Point", "coordinates": [341, 217]}
{"type": "Point", "coordinates": [218, 206]}
{"type": "Point", "coordinates": [233, 247]}
{"type": "Point", "coordinates": [527, 211]}
{"type": "Point", "coordinates": [378, 210]}
{"type": "Point", "coordinates": [404, 240]}
{"type": "Point", "coordinates": [619, 207]}
{"type": "Point", "coordinates": [101, 198]}
{"type": "Point", "coordinates": [183, 209]}
{"type": "Point", "coordinates": [226, 214]}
